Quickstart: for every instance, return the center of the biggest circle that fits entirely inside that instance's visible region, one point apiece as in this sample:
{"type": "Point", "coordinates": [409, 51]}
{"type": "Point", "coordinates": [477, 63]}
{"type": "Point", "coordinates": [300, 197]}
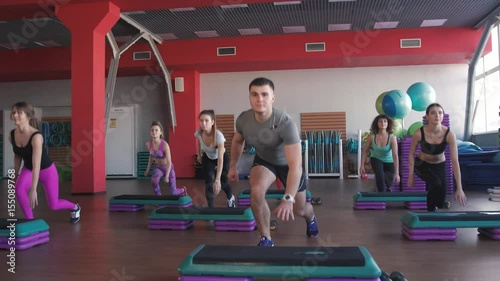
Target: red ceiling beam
{"type": "Point", "coordinates": [344, 49]}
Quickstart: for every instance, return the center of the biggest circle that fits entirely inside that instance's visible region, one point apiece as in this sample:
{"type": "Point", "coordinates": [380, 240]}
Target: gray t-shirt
{"type": "Point", "coordinates": [270, 137]}
{"type": "Point", "coordinates": [210, 151]}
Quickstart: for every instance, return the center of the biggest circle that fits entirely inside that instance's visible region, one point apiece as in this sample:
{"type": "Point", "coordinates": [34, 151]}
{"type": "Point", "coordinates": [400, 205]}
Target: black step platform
{"type": "Point", "coordinates": [136, 202]}
{"type": "Point", "coordinates": [181, 218]}
{"type": "Point", "coordinates": [325, 263]}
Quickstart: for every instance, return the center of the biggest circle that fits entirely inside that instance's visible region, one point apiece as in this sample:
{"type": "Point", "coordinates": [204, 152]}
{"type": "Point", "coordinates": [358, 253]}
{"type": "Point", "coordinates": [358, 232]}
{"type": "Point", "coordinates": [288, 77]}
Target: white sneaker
{"type": "Point", "coordinates": [231, 202]}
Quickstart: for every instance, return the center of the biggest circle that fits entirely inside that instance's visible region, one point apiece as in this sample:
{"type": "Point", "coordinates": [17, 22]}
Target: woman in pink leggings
{"type": "Point", "coordinates": [159, 153]}
{"type": "Point", "coordinates": [27, 144]}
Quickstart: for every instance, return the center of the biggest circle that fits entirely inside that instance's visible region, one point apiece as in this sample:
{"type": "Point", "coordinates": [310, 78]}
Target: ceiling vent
{"type": "Point", "coordinates": [411, 43]}
{"type": "Point", "coordinates": [226, 51]}
{"type": "Point", "coordinates": [315, 47]}
{"type": "Point", "coordinates": [142, 55]}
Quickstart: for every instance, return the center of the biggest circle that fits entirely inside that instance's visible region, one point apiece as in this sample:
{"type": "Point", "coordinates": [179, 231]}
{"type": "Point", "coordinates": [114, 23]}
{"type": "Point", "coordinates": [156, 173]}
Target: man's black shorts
{"type": "Point", "coordinates": [281, 172]}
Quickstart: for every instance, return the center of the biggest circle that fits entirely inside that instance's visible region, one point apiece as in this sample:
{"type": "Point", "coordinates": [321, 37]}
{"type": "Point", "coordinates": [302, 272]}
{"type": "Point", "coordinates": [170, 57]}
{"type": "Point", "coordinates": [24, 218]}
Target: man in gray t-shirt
{"type": "Point", "coordinates": [278, 155]}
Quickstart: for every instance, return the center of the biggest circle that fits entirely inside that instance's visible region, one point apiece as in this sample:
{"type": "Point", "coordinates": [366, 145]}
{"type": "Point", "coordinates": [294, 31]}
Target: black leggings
{"type": "Point", "coordinates": [209, 170]}
{"type": "Point", "coordinates": [384, 173]}
{"type": "Point", "coordinates": [434, 176]}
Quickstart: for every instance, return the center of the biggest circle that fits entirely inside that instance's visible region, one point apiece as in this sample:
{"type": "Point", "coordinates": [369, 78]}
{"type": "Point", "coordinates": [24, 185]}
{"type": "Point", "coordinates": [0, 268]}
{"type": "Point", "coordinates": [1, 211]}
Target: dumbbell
{"type": "Point", "coordinates": [316, 200]}
{"type": "Point", "coordinates": [385, 277]}
{"type": "Point", "coordinates": [273, 225]}
{"type": "Point", "coordinates": [398, 276]}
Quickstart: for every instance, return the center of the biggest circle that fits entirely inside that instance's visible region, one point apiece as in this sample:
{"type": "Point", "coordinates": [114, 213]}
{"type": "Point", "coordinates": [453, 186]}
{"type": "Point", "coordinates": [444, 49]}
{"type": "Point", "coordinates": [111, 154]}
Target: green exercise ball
{"type": "Point", "coordinates": [414, 127]}
{"type": "Point", "coordinates": [398, 130]}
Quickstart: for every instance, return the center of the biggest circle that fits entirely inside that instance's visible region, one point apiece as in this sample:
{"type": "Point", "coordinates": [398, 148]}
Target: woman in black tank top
{"type": "Point", "coordinates": [27, 144]}
{"type": "Point", "coordinates": [429, 164]}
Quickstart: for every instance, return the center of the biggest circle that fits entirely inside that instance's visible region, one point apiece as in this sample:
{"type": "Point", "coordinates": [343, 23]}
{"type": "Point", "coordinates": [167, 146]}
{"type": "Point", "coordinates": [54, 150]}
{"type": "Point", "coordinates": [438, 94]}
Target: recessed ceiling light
{"type": "Point", "coordinates": [339, 27]}
{"type": "Point", "coordinates": [294, 29]}
{"type": "Point", "coordinates": [13, 46]}
{"type": "Point", "coordinates": [250, 31]}
{"type": "Point", "coordinates": [6, 46]}
{"type": "Point", "coordinates": [40, 19]}
{"type": "Point", "coordinates": [386, 24]}
{"type": "Point", "coordinates": [135, 13]}
{"type": "Point", "coordinates": [206, 34]}
{"type": "Point", "coordinates": [436, 22]}
{"type": "Point", "coordinates": [287, 3]}
{"type": "Point", "coordinates": [168, 36]}
{"type": "Point", "coordinates": [234, 6]}
{"type": "Point", "coordinates": [48, 44]}
{"type": "Point", "coordinates": [123, 39]}
{"type": "Point", "coordinates": [182, 9]}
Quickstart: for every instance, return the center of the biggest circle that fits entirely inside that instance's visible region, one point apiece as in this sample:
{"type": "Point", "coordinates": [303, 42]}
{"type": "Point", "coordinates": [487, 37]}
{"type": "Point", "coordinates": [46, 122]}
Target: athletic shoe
{"type": "Point", "coordinates": [312, 228]}
{"type": "Point", "coordinates": [264, 242]}
{"type": "Point", "coordinates": [75, 214]}
{"type": "Point", "coordinates": [231, 202]}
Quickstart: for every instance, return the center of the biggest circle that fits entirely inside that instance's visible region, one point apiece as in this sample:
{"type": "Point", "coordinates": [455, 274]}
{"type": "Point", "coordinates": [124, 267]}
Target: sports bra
{"type": "Point", "coordinates": [26, 152]}
{"type": "Point", "coordinates": [431, 148]}
{"type": "Point", "coordinates": [156, 154]}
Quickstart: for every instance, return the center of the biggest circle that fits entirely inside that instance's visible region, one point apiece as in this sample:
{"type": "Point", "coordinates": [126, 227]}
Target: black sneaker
{"type": "Point", "coordinates": [75, 214]}
{"type": "Point", "coordinates": [231, 203]}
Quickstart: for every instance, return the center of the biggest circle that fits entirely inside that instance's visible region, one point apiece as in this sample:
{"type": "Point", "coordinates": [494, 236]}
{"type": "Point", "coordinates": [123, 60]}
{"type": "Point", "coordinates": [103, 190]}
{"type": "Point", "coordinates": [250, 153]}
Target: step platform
{"type": "Point", "coordinates": [493, 233]}
{"type": "Point", "coordinates": [495, 196]}
{"type": "Point", "coordinates": [25, 234]}
{"type": "Point", "coordinates": [182, 218]}
{"type": "Point", "coordinates": [378, 200]}
{"type": "Point", "coordinates": [243, 263]}
{"type": "Point", "coordinates": [443, 225]}
{"type": "Point", "coordinates": [134, 203]}
{"type": "Point", "coordinates": [243, 197]}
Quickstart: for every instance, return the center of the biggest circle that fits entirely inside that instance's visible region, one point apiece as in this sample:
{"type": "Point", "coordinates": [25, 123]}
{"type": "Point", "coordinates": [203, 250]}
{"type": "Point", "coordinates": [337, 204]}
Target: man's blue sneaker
{"type": "Point", "coordinates": [264, 242]}
{"type": "Point", "coordinates": [312, 228]}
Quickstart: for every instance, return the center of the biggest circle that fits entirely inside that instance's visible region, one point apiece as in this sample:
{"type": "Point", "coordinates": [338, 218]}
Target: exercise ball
{"type": "Point", "coordinates": [467, 146]}
{"type": "Point", "coordinates": [414, 127]}
{"type": "Point", "coordinates": [421, 95]}
{"type": "Point", "coordinates": [398, 130]}
{"type": "Point", "coordinates": [396, 104]}
{"type": "Point", "coordinates": [378, 103]}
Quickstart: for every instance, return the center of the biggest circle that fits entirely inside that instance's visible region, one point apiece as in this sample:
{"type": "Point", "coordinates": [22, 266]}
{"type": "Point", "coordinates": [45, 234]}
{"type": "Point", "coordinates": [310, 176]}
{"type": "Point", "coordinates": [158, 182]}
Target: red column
{"type": "Point", "coordinates": [89, 23]}
{"type": "Point", "coordinates": [187, 107]}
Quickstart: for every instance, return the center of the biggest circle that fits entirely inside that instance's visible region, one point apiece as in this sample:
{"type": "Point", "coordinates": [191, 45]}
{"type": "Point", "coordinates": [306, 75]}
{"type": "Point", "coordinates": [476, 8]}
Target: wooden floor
{"type": "Point", "coordinates": [119, 247]}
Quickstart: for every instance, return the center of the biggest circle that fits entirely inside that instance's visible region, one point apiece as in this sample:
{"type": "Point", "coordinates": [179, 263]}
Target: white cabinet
{"type": "Point", "coordinates": [121, 155]}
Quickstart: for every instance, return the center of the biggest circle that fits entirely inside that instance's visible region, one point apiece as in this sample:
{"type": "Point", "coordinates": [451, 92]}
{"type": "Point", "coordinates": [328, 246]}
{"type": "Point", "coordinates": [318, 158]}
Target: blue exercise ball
{"type": "Point", "coordinates": [421, 95]}
{"type": "Point", "coordinates": [467, 146]}
{"type": "Point", "coordinates": [378, 103]}
{"type": "Point", "coordinates": [396, 104]}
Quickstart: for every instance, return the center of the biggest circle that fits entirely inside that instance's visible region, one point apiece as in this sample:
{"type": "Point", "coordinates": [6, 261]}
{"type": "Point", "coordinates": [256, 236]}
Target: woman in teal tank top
{"type": "Point", "coordinates": [382, 148]}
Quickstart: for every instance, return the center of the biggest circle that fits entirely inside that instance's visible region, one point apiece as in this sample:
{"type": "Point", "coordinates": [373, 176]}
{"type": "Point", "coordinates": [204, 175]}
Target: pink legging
{"type": "Point", "coordinates": [160, 171]}
{"type": "Point", "coordinates": [50, 181]}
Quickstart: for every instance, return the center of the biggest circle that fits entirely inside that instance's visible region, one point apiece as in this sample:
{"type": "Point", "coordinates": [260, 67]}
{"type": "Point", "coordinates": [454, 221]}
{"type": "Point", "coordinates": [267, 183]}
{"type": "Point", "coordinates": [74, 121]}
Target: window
{"type": "Point", "coordinates": [487, 89]}
{"type": "Point", "coordinates": [491, 60]}
{"type": "Point", "coordinates": [487, 103]}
